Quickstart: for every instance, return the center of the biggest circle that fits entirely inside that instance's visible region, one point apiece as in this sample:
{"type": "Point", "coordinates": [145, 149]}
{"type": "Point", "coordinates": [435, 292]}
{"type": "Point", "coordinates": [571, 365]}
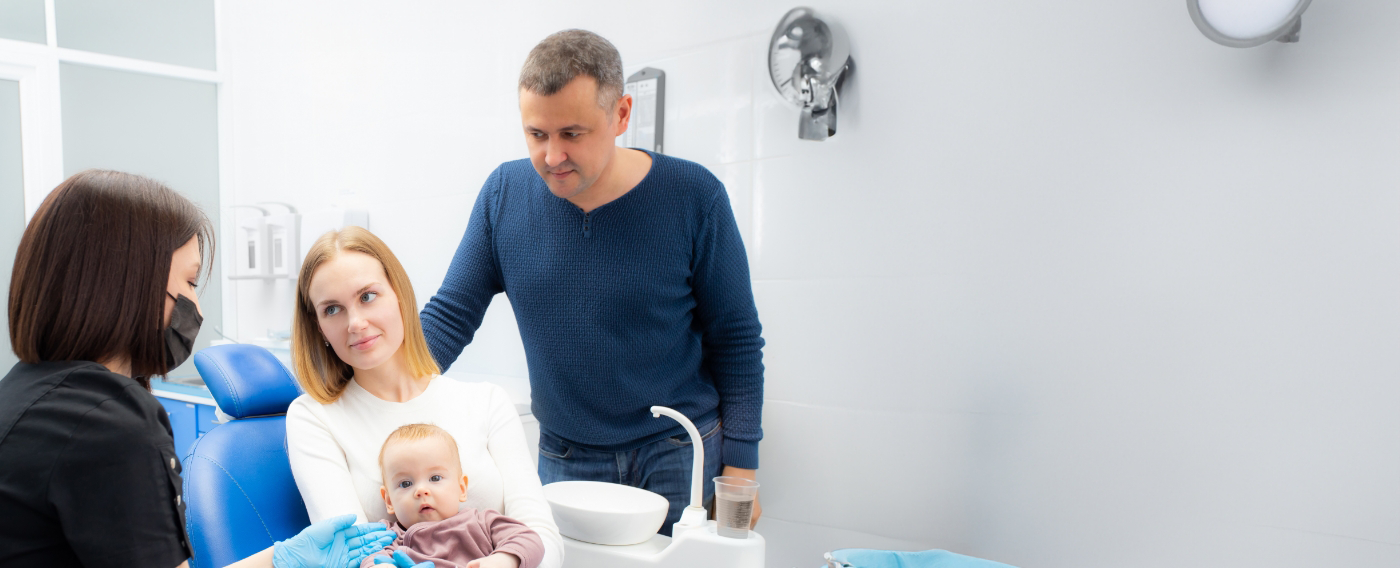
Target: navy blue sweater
{"type": "Point", "coordinates": [643, 301]}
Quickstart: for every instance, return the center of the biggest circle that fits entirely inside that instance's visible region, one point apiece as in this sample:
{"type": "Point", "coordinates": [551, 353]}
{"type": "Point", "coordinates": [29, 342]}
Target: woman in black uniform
{"type": "Point", "coordinates": [102, 298]}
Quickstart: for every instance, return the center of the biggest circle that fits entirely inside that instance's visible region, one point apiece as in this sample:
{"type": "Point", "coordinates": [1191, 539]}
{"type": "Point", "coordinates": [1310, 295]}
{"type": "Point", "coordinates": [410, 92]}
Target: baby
{"type": "Point", "coordinates": [424, 487]}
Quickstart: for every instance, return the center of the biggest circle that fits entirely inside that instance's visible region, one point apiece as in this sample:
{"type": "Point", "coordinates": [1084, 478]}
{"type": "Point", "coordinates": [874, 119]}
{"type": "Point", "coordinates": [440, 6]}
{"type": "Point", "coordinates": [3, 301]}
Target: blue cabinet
{"type": "Point", "coordinates": [191, 410]}
{"type": "Point", "coordinates": [182, 423]}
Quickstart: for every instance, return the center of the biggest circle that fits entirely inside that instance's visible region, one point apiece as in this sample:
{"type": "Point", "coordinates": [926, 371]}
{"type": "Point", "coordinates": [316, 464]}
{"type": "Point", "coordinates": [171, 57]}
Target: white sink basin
{"type": "Point", "coordinates": [605, 513]}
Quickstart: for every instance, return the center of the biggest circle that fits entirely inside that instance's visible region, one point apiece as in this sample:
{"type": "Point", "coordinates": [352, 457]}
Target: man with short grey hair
{"type": "Point", "coordinates": [630, 286]}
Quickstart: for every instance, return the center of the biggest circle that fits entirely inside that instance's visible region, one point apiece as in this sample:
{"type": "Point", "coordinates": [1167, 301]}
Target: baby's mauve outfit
{"type": "Point", "coordinates": [462, 538]}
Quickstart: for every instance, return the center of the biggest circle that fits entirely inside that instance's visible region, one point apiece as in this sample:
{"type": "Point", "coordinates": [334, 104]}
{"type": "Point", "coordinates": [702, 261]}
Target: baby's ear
{"type": "Point", "coordinates": [384, 493]}
{"type": "Point", "coordinates": [463, 497]}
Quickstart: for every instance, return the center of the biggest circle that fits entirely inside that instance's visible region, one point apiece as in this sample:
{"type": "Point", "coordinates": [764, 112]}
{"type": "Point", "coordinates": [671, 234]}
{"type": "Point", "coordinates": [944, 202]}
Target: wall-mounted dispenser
{"type": "Point", "coordinates": [250, 246]}
{"type": "Point", "coordinates": [808, 58]}
{"type": "Point", "coordinates": [648, 90]}
{"type": "Point", "coordinates": [266, 245]}
{"type": "Point", "coordinates": [283, 234]}
{"type": "Point", "coordinates": [1247, 23]}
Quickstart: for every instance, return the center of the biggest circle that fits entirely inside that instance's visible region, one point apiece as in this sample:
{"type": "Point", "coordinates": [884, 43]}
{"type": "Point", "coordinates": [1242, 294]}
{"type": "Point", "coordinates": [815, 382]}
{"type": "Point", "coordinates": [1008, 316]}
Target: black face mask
{"type": "Point", "coordinates": [184, 326]}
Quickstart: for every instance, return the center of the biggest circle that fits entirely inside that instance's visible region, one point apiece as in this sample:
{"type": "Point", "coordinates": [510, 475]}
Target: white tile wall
{"type": "Point", "coordinates": [868, 486]}
{"type": "Point", "coordinates": [826, 335]}
{"type": "Point", "coordinates": [1071, 287]}
{"type": "Point", "coordinates": [820, 221]}
{"type": "Point", "coordinates": [709, 117]}
{"type": "Point", "coordinates": [738, 181]}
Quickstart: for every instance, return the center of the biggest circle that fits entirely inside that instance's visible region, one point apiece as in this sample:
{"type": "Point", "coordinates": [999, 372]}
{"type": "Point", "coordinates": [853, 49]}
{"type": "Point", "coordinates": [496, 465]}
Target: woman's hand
{"type": "Point", "coordinates": [751, 475]}
{"type": "Point", "coordinates": [401, 560]}
{"type": "Point", "coordinates": [336, 542]}
{"type": "Point", "coordinates": [497, 560]}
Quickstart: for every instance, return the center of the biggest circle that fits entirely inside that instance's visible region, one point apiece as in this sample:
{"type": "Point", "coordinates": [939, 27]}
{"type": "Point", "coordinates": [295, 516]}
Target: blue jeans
{"type": "Point", "coordinates": [662, 467]}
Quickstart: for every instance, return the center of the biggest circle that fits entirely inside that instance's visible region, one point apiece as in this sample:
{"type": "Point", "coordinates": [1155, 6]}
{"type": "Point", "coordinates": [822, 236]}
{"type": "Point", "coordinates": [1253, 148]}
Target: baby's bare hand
{"type": "Point", "coordinates": [497, 560]}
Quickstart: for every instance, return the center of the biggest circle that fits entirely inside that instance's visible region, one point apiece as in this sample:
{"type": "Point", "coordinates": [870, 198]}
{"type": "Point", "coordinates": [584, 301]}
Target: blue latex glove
{"type": "Point", "coordinates": [336, 542]}
{"type": "Point", "coordinates": [401, 560]}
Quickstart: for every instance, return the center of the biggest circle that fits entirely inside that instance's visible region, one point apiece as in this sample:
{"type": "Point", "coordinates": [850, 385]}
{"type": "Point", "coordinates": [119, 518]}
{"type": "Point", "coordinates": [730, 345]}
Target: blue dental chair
{"type": "Point", "coordinates": [239, 493]}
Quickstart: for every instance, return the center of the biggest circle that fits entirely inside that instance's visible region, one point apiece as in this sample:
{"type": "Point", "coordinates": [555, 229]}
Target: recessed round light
{"type": "Point", "coordinates": [1247, 23]}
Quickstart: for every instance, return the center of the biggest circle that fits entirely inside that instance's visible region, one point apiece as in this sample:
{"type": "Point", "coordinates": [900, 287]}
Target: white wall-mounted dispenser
{"type": "Point", "coordinates": [250, 245]}
{"type": "Point", "coordinates": [283, 238]}
{"type": "Point", "coordinates": [267, 246]}
{"type": "Point", "coordinates": [647, 128]}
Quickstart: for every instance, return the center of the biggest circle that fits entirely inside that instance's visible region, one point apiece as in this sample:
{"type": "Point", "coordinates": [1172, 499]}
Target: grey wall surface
{"type": "Point", "coordinates": [179, 32]}
{"type": "Point", "coordinates": [11, 207]}
{"type": "Point", "coordinates": [23, 20]}
{"type": "Point", "coordinates": [159, 127]}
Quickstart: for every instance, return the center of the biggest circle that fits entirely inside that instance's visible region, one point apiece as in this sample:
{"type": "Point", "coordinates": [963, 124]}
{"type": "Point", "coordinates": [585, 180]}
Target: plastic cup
{"type": "Point", "coordinates": [734, 498]}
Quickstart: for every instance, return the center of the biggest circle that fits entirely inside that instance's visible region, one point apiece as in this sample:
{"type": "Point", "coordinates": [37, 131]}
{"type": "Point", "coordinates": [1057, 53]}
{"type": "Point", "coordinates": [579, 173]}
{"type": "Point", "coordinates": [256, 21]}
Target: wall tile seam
{"type": "Point", "coordinates": [903, 278]}
{"type": "Point", "coordinates": [693, 49]}
{"type": "Point", "coordinates": [926, 412]}
{"type": "Point", "coordinates": [398, 203]}
{"type": "Point", "coordinates": [755, 205]}
{"type": "Point", "coordinates": [755, 133]}
{"type": "Point", "coordinates": [723, 163]}
{"type": "Point", "coordinates": [865, 409]}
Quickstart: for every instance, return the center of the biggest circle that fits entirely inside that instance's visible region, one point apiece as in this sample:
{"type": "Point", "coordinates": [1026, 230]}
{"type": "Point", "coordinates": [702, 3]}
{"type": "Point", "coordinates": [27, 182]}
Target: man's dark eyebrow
{"type": "Point", "coordinates": [357, 293]}
{"type": "Point", "coordinates": [569, 127]}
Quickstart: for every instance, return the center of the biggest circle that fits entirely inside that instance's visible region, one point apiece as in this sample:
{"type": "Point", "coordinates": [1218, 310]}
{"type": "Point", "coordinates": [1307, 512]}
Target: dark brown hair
{"type": "Point", "coordinates": [91, 272]}
{"type": "Point", "coordinates": [562, 56]}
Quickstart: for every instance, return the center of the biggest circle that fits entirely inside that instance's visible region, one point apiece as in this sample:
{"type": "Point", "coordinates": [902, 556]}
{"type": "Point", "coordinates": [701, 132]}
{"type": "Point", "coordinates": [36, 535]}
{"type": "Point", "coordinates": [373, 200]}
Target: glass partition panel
{"type": "Point", "coordinates": [11, 206]}
{"type": "Point", "coordinates": [154, 126]}
{"type": "Point", "coordinates": [23, 20]}
{"type": "Point", "coordinates": [179, 32]}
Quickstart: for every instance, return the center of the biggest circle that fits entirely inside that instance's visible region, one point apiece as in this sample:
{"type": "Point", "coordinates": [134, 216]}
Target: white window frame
{"type": "Point", "coordinates": [36, 67]}
{"type": "Point", "coordinates": [41, 147]}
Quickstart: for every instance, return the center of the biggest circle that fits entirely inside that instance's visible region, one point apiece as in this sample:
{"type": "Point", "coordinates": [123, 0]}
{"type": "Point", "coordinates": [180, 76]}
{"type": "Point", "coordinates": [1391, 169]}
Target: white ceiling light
{"type": "Point", "coordinates": [1247, 23]}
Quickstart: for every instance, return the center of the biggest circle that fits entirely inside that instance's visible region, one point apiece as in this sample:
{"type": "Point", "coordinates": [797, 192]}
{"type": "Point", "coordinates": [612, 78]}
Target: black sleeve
{"type": "Point", "coordinates": [117, 488]}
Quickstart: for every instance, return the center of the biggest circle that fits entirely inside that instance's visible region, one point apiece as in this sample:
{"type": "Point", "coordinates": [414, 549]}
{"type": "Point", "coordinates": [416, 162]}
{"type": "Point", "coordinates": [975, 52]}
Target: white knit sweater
{"type": "Point", "coordinates": [334, 451]}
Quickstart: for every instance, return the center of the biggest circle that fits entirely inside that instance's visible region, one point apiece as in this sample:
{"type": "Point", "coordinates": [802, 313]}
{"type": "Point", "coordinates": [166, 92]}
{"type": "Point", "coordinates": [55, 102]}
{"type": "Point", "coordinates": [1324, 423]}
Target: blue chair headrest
{"type": "Point", "coordinates": [246, 380]}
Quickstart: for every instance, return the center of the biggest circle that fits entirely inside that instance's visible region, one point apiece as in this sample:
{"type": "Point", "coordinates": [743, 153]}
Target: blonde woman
{"type": "Point", "coordinates": [360, 355]}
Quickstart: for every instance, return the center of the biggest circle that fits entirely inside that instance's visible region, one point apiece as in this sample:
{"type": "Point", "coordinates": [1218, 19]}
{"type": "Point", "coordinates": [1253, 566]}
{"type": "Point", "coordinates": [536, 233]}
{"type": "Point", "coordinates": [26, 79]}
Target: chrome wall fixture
{"type": "Point", "coordinates": [808, 58]}
{"type": "Point", "coordinates": [1247, 23]}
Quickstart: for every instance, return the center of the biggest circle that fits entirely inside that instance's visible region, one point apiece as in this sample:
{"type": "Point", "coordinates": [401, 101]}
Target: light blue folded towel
{"type": "Point", "coordinates": [864, 558]}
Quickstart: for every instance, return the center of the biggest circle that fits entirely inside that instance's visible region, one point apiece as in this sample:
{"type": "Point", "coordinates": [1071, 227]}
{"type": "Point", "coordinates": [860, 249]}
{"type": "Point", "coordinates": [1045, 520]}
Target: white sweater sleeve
{"type": "Point", "coordinates": [319, 465]}
{"type": "Point", "coordinates": [524, 496]}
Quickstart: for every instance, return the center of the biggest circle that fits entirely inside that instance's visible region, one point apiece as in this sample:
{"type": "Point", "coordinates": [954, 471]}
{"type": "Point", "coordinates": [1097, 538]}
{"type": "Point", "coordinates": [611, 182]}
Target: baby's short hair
{"type": "Point", "coordinates": [411, 432]}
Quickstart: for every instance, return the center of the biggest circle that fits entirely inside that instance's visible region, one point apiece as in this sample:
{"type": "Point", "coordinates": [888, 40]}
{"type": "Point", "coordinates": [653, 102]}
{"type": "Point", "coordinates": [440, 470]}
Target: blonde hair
{"type": "Point", "coordinates": [411, 432]}
{"type": "Point", "coordinates": [319, 370]}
